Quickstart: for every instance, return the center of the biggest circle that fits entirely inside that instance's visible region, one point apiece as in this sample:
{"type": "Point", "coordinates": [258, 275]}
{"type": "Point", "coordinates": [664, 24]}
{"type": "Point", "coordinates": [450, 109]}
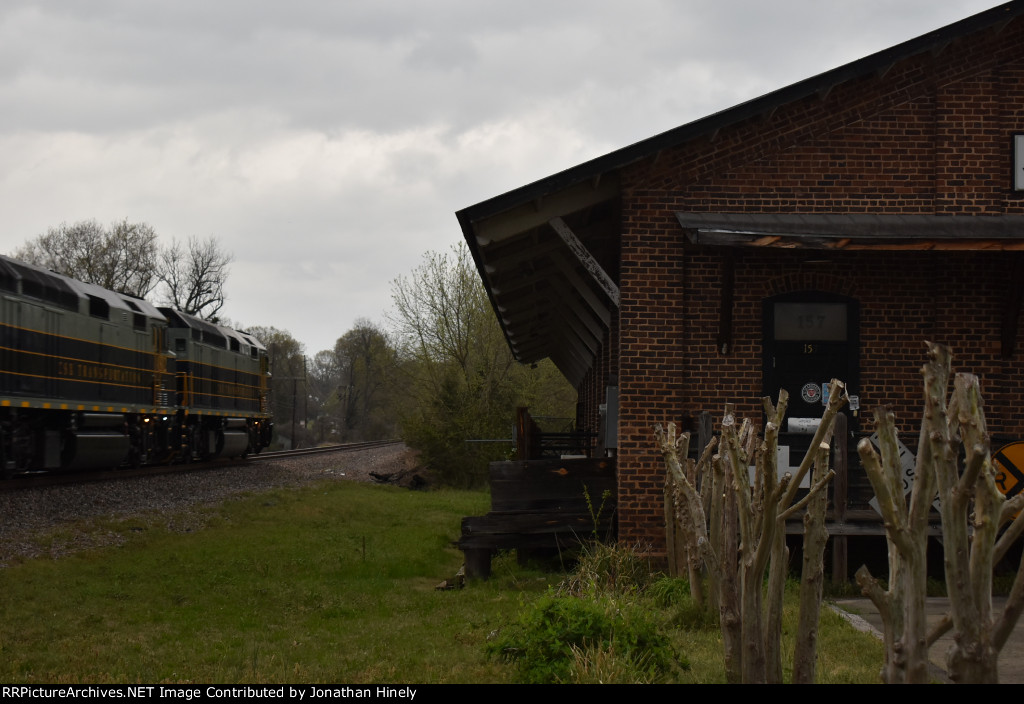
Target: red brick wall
{"type": "Point", "coordinates": [933, 136]}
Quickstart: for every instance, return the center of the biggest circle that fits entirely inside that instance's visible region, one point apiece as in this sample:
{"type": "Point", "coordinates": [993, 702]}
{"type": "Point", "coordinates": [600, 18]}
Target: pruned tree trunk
{"type": "Point", "coordinates": [726, 585]}
{"type": "Point", "coordinates": [902, 604]}
{"type": "Point", "coordinates": [812, 577]}
{"type": "Point", "coordinates": [778, 566]}
{"type": "Point", "coordinates": [675, 547]}
{"type": "Point", "coordinates": [972, 512]}
{"type": "Point", "coordinates": [902, 620]}
{"type": "Point", "coordinates": [684, 508]}
{"type": "Point", "coordinates": [738, 530]}
{"type": "Point", "coordinates": [683, 553]}
{"type": "Point", "coordinates": [777, 571]}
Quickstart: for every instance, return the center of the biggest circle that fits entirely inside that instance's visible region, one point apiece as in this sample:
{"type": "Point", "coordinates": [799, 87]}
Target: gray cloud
{"type": "Point", "coordinates": [328, 144]}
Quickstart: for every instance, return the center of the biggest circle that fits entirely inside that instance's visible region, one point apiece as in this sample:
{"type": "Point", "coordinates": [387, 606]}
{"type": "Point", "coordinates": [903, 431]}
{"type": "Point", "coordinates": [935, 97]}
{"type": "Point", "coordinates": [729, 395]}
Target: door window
{"type": "Point", "coordinates": [809, 339]}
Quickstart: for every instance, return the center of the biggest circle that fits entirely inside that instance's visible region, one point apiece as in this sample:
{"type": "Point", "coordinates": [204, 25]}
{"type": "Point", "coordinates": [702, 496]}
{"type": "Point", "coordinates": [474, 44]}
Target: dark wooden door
{"type": "Point", "coordinates": [809, 339]}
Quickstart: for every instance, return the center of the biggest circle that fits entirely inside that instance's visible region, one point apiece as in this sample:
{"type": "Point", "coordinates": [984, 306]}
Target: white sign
{"type": "Point", "coordinates": [908, 462]}
{"type": "Point", "coordinates": [783, 467]}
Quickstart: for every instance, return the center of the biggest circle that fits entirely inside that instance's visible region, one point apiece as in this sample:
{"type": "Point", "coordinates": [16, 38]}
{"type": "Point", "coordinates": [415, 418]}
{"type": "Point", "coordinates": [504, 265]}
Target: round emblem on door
{"type": "Point", "coordinates": [811, 393]}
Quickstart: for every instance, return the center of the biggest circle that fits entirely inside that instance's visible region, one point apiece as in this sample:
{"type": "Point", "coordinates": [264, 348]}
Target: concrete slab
{"type": "Point", "coordinates": [863, 614]}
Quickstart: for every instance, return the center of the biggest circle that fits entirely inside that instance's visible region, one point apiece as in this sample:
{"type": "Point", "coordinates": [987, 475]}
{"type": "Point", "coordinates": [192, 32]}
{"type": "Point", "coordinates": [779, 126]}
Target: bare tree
{"type": "Point", "coordinates": [130, 259]}
{"type": "Point", "coordinates": [972, 511]}
{"type": "Point", "coordinates": [193, 276]}
{"type": "Point", "coordinates": [736, 529]}
{"type": "Point", "coordinates": [122, 258]}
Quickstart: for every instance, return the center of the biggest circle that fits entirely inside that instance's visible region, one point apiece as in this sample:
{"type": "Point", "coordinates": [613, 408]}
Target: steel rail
{"type": "Point", "coordinates": [59, 478]}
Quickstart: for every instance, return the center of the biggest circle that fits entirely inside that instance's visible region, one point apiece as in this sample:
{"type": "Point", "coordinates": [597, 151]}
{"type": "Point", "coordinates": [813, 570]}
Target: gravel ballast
{"type": "Point", "coordinates": [59, 520]}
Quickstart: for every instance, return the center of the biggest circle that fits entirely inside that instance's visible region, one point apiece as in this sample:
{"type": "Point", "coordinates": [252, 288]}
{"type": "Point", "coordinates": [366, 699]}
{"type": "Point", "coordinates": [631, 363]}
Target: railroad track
{"type": "Point", "coordinates": [345, 447]}
{"type": "Point", "coordinates": [41, 479]}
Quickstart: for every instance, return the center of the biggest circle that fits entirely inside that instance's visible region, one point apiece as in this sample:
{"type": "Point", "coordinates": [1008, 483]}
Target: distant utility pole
{"type": "Point", "coordinates": [295, 403]}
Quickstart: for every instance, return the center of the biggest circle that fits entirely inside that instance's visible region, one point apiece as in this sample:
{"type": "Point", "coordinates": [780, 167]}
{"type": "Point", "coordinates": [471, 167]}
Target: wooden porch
{"type": "Point", "coordinates": [548, 500]}
{"type": "Point", "coordinates": [557, 495]}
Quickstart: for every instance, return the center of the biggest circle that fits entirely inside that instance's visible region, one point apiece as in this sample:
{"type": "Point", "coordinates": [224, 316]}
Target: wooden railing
{"type": "Point", "coordinates": [534, 443]}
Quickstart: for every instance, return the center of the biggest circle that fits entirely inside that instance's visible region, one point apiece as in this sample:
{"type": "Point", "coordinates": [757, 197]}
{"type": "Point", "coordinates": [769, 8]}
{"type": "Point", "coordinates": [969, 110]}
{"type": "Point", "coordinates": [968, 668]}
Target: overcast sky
{"type": "Point", "coordinates": [328, 143]}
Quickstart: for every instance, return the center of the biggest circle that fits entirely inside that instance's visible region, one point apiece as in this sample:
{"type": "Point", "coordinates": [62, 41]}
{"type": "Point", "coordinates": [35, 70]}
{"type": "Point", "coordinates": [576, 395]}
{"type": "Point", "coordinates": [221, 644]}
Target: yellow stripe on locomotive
{"type": "Point", "coordinates": [91, 377]}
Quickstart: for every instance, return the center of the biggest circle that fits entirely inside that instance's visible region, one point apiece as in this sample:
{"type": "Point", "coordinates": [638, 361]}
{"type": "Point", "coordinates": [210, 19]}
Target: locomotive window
{"type": "Point", "coordinates": [99, 308]}
{"type": "Point", "coordinates": [39, 284]}
{"type": "Point", "coordinates": [179, 344]}
{"type": "Point", "coordinates": [139, 321]}
{"type": "Point", "coordinates": [8, 278]}
{"type": "Point", "coordinates": [215, 339]}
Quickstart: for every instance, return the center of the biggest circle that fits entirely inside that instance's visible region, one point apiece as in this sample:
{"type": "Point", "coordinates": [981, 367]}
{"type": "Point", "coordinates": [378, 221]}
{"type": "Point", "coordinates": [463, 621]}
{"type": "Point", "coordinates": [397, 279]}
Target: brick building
{"type": "Point", "coordinates": [826, 229]}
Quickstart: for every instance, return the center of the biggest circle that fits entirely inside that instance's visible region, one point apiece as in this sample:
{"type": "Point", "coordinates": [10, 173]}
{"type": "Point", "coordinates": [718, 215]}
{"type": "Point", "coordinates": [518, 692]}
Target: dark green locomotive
{"type": "Point", "coordinates": [94, 378]}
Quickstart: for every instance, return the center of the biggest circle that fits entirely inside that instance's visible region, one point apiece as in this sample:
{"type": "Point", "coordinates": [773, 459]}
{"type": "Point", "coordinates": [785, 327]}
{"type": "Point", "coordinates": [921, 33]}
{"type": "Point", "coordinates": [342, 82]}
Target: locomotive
{"type": "Point", "coordinates": [94, 378]}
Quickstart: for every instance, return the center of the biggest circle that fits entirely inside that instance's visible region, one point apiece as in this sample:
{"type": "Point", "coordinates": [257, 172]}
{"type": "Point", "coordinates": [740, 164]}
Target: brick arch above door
{"type": "Point", "coordinates": [823, 281]}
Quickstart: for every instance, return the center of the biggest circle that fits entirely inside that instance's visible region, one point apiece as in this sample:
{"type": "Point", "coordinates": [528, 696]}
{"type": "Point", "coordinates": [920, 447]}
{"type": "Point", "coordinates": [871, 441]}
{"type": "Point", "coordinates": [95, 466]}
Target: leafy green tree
{"type": "Point", "coordinates": [323, 380]}
{"type": "Point", "coordinates": [461, 382]}
{"type": "Point", "coordinates": [287, 384]}
{"type": "Point", "coordinates": [368, 364]}
{"type": "Point", "coordinates": [353, 387]}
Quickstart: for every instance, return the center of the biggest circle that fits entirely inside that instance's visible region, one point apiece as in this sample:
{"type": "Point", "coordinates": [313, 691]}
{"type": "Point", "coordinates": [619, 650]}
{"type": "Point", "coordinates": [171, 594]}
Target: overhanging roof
{"type": "Point", "coordinates": [552, 300]}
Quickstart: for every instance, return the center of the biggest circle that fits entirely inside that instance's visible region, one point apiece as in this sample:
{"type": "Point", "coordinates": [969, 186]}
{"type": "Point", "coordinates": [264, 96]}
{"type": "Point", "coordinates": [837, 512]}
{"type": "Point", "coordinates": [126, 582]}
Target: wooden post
{"type": "Point", "coordinates": [522, 436]}
{"type": "Point", "coordinates": [478, 563]}
{"type": "Point", "coordinates": [704, 430]}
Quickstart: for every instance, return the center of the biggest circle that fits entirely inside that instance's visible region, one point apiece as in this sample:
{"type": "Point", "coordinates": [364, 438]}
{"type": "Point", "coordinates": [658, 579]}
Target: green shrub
{"type": "Point", "coordinates": [556, 635]}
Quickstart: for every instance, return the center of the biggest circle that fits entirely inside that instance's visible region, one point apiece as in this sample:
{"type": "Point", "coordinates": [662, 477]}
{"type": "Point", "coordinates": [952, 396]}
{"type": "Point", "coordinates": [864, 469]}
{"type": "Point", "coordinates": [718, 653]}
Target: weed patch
{"type": "Point", "coordinates": [560, 639]}
{"type": "Point", "coordinates": [612, 621]}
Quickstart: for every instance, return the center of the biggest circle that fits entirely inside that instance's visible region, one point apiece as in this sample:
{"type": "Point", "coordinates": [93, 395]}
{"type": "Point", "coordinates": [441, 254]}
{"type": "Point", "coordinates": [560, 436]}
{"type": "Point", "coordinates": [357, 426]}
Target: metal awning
{"type": "Point", "coordinates": [855, 231]}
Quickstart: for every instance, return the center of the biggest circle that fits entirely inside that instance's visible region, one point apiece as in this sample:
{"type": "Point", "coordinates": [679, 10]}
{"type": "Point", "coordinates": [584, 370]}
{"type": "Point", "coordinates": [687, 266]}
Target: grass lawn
{"type": "Point", "coordinates": [333, 583]}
